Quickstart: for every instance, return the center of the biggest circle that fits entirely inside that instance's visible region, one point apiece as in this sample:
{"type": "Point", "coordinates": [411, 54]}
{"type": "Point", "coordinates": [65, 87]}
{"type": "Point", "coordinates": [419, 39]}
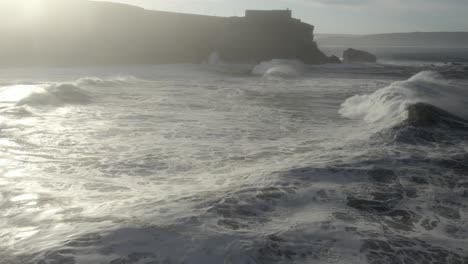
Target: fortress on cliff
{"type": "Point", "coordinates": [268, 15]}
{"type": "Point", "coordinates": [267, 34]}
{"type": "Point", "coordinates": [275, 17]}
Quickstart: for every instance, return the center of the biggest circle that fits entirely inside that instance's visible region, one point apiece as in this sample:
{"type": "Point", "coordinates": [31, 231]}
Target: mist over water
{"type": "Point", "coordinates": [214, 163]}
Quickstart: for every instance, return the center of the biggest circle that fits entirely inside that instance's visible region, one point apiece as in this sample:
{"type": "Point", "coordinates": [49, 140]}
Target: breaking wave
{"type": "Point", "coordinates": [391, 104]}
{"type": "Point", "coordinates": [56, 94]}
{"type": "Point", "coordinates": [108, 82]}
{"type": "Point", "coordinates": [279, 68]}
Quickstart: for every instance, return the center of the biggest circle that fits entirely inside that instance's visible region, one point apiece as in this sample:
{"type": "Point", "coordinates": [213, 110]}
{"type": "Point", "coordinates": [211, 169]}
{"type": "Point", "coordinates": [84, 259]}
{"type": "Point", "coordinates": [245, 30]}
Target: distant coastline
{"type": "Point", "coordinates": [397, 40]}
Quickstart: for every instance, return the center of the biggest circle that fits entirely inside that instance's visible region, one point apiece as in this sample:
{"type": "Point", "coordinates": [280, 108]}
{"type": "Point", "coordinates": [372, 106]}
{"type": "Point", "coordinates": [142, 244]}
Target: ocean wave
{"type": "Point", "coordinates": [391, 104]}
{"type": "Point", "coordinates": [59, 93]}
{"type": "Point", "coordinates": [56, 94]}
{"type": "Point", "coordinates": [279, 68]}
{"type": "Point", "coordinates": [454, 71]}
{"type": "Point", "coordinates": [108, 82]}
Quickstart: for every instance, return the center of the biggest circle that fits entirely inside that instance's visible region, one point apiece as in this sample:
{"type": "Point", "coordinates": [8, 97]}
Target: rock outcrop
{"type": "Point", "coordinates": [334, 59]}
{"type": "Point", "coordinates": [358, 56]}
{"type": "Point", "coordinates": [100, 33]}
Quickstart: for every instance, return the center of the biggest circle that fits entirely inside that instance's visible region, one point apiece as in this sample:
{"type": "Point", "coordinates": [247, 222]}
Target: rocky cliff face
{"type": "Point", "coordinates": [79, 32]}
{"type": "Point", "coordinates": [258, 38]}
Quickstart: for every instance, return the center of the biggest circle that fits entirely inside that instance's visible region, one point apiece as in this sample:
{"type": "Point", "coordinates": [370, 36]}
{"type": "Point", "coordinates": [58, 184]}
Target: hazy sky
{"type": "Point", "coordinates": [339, 16]}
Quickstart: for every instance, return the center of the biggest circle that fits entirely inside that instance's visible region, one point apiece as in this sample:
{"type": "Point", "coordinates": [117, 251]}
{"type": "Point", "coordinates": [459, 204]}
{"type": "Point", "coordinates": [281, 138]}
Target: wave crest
{"type": "Point", "coordinates": [56, 94]}
{"type": "Point", "coordinates": [109, 82]}
{"type": "Point", "coordinates": [391, 104]}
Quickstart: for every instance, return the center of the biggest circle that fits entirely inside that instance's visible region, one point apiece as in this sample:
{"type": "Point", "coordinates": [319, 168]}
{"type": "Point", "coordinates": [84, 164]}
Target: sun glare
{"type": "Point", "coordinates": [32, 9]}
{"type": "Point", "coordinates": [17, 92]}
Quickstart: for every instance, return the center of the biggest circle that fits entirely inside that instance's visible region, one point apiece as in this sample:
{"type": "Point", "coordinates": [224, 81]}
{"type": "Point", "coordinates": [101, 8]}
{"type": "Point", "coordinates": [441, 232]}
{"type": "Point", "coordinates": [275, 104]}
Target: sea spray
{"type": "Point", "coordinates": [279, 68]}
{"type": "Point", "coordinates": [214, 59]}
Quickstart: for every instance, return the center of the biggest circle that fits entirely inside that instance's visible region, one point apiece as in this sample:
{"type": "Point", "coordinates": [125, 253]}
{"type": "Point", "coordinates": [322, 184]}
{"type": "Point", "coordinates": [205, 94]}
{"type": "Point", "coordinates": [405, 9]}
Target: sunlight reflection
{"type": "Point", "coordinates": [27, 232]}
{"type": "Point", "coordinates": [32, 9]}
{"type": "Point", "coordinates": [11, 94]}
{"type": "Point", "coordinates": [13, 174]}
{"type": "Point", "coordinates": [24, 197]}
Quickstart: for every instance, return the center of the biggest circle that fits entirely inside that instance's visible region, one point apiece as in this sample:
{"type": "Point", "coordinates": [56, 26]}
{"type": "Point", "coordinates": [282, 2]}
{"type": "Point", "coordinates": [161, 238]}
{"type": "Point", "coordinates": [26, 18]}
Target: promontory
{"type": "Point", "coordinates": [81, 32]}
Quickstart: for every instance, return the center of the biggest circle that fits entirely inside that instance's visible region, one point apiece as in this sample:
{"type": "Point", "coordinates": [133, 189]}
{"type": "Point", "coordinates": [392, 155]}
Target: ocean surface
{"type": "Point", "coordinates": [214, 163]}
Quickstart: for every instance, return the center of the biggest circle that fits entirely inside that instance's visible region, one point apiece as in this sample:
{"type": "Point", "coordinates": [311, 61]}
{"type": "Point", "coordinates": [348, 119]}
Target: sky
{"type": "Point", "coordinates": [338, 16]}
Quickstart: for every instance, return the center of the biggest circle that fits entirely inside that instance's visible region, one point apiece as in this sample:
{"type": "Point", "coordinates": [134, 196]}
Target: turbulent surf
{"type": "Point", "coordinates": [215, 163]}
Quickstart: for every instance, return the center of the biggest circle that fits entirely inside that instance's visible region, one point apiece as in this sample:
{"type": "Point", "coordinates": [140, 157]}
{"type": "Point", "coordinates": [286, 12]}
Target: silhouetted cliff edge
{"type": "Point", "coordinates": [80, 32]}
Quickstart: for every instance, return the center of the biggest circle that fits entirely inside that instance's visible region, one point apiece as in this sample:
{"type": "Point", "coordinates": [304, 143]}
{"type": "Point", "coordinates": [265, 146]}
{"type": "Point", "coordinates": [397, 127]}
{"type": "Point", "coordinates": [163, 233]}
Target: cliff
{"type": "Point", "coordinates": [80, 32]}
{"type": "Point", "coordinates": [265, 35]}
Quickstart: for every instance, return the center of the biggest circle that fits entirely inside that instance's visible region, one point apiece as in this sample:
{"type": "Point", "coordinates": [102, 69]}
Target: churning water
{"type": "Point", "coordinates": [217, 163]}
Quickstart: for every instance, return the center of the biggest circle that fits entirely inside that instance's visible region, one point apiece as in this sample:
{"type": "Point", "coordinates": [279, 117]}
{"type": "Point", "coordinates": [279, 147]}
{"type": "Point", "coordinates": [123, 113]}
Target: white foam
{"type": "Point", "coordinates": [174, 165]}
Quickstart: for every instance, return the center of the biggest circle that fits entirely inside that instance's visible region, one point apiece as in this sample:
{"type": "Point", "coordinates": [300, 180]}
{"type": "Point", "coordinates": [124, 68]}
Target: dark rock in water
{"type": "Point", "coordinates": [121, 261]}
{"type": "Point", "coordinates": [419, 180]}
{"type": "Point", "coordinates": [412, 193]}
{"type": "Point", "coordinates": [358, 56]}
{"type": "Point", "coordinates": [367, 205]}
{"type": "Point", "coordinates": [390, 196]}
{"type": "Point", "coordinates": [381, 202]}
{"type": "Point", "coordinates": [334, 59]}
{"type": "Point", "coordinates": [383, 175]}
{"type": "Point", "coordinates": [426, 115]}
{"type": "Point", "coordinates": [428, 123]}
{"type": "Point", "coordinates": [429, 225]}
